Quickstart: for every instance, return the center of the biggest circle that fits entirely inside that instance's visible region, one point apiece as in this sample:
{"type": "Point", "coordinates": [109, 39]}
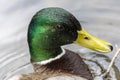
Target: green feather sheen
{"type": "Point", "coordinates": [43, 37]}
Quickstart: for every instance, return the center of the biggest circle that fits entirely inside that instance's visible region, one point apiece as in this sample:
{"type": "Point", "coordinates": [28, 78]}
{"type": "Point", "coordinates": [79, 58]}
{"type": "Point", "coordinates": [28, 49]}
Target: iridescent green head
{"type": "Point", "coordinates": [51, 28]}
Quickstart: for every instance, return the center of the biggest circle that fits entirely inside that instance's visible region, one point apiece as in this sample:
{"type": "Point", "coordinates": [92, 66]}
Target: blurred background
{"type": "Point", "coordinates": [99, 17]}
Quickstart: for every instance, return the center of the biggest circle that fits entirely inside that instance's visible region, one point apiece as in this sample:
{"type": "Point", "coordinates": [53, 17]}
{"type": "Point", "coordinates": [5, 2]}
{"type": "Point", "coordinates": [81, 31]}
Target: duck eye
{"type": "Point", "coordinates": [59, 27]}
{"type": "Point", "coordinates": [87, 38]}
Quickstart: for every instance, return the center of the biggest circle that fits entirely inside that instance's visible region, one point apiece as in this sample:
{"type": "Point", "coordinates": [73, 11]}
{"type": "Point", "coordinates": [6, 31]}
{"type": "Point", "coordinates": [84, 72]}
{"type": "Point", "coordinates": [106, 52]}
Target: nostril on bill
{"type": "Point", "coordinates": [110, 47]}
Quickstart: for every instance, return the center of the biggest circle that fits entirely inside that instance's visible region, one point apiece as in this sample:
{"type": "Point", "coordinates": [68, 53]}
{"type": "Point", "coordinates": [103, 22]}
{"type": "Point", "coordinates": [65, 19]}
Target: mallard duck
{"type": "Point", "coordinates": [49, 29]}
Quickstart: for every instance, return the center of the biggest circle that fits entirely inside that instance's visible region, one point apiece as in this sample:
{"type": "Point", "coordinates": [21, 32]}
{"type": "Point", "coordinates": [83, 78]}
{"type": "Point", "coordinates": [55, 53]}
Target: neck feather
{"type": "Point", "coordinates": [44, 55]}
{"type": "Point", "coordinates": [52, 59]}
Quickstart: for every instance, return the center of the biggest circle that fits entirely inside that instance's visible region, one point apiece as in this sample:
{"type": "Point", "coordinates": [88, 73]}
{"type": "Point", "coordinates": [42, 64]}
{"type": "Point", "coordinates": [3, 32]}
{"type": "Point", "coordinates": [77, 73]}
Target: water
{"type": "Point", "coordinates": [97, 63]}
{"type": "Point", "coordinates": [100, 17]}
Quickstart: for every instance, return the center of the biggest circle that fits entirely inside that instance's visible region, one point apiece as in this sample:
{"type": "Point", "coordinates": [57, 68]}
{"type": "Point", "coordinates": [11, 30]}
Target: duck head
{"type": "Point", "coordinates": [50, 28]}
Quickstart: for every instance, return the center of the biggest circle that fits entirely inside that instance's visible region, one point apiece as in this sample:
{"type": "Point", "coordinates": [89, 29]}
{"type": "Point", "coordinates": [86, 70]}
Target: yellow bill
{"type": "Point", "coordinates": [87, 40]}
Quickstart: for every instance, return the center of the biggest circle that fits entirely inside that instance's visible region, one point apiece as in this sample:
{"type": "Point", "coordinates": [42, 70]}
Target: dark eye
{"type": "Point", "coordinates": [59, 28]}
{"type": "Point", "coordinates": [87, 38]}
